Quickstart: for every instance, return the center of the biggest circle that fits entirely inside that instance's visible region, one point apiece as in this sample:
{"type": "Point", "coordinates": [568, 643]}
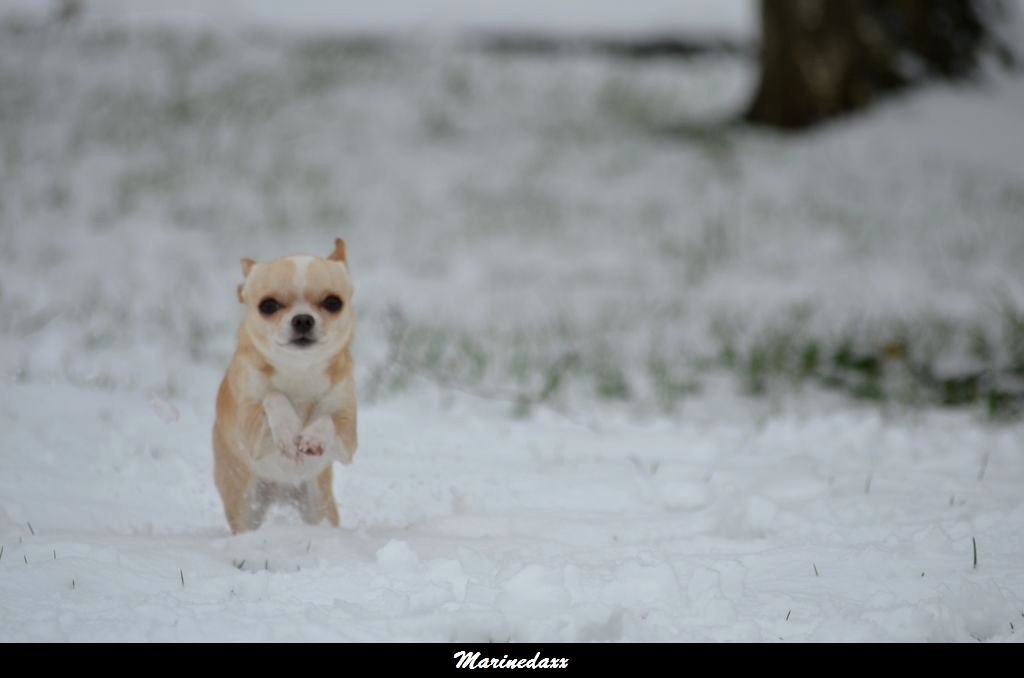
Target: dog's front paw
{"type": "Point", "coordinates": [284, 425]}
{"type": "Point", "coordinates": [310, 444]}
{"type": "Point", "coordinates": [317, 439]}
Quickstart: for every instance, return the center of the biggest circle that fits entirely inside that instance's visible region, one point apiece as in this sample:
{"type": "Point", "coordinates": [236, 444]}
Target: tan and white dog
{"type": "Point", "coordinates": [286, 409]}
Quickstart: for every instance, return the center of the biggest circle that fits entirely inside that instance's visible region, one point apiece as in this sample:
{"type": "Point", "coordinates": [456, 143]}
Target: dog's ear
{"type": "Point", "coordinates": [247, 265]}
{"type": "Point", "coordinates": [339, 251]}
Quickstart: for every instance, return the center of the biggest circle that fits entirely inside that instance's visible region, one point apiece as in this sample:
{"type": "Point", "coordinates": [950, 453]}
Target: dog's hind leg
{"type": "Point", "coordinates": [235, 483]}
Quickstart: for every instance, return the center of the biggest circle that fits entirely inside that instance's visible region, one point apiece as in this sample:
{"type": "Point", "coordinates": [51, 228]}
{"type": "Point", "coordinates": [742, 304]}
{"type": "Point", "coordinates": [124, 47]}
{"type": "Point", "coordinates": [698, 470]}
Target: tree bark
{"type": "Point", "coordinates": [824, 58]}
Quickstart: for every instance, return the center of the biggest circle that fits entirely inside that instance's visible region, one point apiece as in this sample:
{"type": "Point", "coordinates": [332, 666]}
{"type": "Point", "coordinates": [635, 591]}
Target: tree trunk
{"type": "Point", "coordinates": [823, 58]}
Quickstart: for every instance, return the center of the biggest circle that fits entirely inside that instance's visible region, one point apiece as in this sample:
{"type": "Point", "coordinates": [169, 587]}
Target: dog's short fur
{"type": "Point", "coordinates": [286, 409]}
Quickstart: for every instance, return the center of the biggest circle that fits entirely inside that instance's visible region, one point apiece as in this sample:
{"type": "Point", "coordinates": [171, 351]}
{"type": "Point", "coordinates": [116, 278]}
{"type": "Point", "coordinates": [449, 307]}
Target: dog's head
{"type": "Point", "coordinates": [298, 308]}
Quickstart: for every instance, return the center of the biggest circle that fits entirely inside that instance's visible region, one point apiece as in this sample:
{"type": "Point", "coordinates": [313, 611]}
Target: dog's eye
{"type": "Point", "coordinates": [333, 304]}
{"type": "Point", "coordinates": [269, 306]}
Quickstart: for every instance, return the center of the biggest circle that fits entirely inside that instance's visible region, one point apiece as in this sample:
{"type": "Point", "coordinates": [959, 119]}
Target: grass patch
{"type": "Point", "coordinates": [930, 362]}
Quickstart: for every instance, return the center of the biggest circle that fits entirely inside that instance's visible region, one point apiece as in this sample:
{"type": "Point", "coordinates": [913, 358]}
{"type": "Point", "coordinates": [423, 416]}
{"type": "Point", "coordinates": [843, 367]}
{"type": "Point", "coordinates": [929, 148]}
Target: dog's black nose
{"type": "Point", "coordinates": [303, 324]}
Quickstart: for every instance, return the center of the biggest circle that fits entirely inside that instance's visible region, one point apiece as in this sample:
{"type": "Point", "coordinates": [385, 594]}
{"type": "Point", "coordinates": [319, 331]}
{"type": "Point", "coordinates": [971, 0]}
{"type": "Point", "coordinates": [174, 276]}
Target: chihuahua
{"type": "Point", "coordinates": [286, 409]}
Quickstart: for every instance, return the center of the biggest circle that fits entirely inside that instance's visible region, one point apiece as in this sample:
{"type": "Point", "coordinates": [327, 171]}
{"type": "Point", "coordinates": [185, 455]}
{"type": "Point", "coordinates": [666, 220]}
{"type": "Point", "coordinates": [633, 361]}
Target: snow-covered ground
{"type": "Point", "coordinates": [544, 260]}
{"type": "Point", "coordinates": [462, 525]}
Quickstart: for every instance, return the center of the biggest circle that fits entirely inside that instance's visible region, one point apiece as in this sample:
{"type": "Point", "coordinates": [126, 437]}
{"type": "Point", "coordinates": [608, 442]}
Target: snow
{"type": "Point", "coordinates": [461, 525]}
{"type": "Point", "coordinates": [526, 204]}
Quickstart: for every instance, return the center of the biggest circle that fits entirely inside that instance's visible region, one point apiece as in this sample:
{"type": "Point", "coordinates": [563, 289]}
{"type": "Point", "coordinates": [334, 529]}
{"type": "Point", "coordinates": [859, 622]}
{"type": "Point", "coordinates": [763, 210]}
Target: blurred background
{"type": "Point", "coordinates": [555, 205]}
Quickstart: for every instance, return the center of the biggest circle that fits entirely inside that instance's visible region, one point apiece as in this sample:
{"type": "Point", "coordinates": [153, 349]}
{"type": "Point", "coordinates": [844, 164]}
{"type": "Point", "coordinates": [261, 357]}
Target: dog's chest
{"type": "Point", "coordinates": [304, 389]}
